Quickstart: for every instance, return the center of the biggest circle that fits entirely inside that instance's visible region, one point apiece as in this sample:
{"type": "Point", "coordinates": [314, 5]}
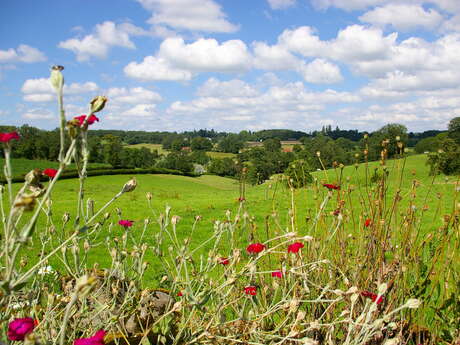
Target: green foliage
{"type": "Point", "coordinates": [177, 161]}
{"type": "Point", "coordinates": [454, 129]}
{"type": "Point", "coordinates": [231, 143]}
{"type": "Point", "coordinates": [430, 144]}
{"type": "Point", "coordinates": [392, 132]}
{"type": "Point", "coordinates": [298, 174]}
{"type": "Point", "coordinates": [201, 144]}
{"type": "Point", "coordinates": [199, 157]}
{"type": "Point", "coordinates": [447, 160]}
{"type": "Point", "coordinates": [223, 167]}
{"type": "Point", "coordinates": [272, 145]}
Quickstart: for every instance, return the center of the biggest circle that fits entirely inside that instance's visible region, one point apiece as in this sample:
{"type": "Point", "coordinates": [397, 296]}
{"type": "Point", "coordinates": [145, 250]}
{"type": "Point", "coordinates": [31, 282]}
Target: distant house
{"type": "Point", "coordinates": [288, 149]}
{"type": "Point", "coordinates": [186, 149]}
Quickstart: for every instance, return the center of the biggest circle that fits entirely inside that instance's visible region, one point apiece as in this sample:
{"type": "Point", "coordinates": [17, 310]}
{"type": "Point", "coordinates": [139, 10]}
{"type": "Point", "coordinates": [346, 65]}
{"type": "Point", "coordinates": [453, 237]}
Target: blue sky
{"type": "Point", "coordinates": [233, 64]}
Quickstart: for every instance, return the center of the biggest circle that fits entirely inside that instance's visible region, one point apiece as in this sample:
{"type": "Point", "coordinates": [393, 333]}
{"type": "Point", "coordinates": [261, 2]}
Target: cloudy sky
{"type": "Point", "coordinates": [233, 64]}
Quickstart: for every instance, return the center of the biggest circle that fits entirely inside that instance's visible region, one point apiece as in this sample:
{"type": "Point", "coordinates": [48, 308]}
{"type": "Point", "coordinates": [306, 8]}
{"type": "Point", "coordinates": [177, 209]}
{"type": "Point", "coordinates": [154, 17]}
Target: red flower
{"type": "Point", "coordinates": [51, 173]}
{"type": "Point", "coordinates": [255, 248]}
{"type": "Point", "coordinates": [96, 339]}
{"type": "Point", "coordinates": [277, 274]}
{"type": "Point", "coordinates": [19, 328]}
{"type": "Point", "coordinates": [223, 261]}
{"type": "Point", "coordinates": [179, 294]}
{"type": "Point", "coordinates": [126, 223]}
{"type": "Point", "coordinates": [367, 222]}
{"type": "Point", "coordinates": [250, 290]}
{"type": "Point", "coordinates": [81, 119]}
{"type": "Point", "coordinates": [372, 296]}
{"type": "Point", "coordinates": [295, 247]}
{"type": "Point", "coordinates": [331, 186]}
{"type": "Point", "coordinates": [7, 137]}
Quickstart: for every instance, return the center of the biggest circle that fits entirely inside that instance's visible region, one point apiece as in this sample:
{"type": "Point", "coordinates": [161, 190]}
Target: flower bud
{"type": "Point", "coordinates": [98, 103]}
{"type": "Point", "coordinates": [129, 186]}
{"type": "Point", "coordinates": [57, 79]}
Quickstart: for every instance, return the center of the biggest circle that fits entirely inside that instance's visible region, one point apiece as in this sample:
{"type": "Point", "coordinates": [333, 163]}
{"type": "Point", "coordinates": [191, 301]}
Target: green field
{"type": "Point", "coordinates": [161, 151]}
{"type": "Point", "coordinates": [211, 196]}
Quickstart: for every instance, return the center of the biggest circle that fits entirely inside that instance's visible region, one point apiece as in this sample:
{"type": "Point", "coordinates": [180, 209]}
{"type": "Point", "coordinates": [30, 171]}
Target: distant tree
{"type": "Point", "coordinates": [223, 167]}
{"type": "Point", "coordinates": [272, 145]}
{"type": "Point", "coordinates": [176, 161]}
{"type": "Point", "coordinates": [454, 129]}
{"type": "Point", "coordinates": [199, 157]}
{"type": "Point", "coordinates": [390, 132]}
{"type": "Point", "coordinates": [430, 144]}
{"type": "Point", "coordinates": [112, 150]}
{"type": "Point", "coordinates": [231, 144]}
{"type": "Point", "coordinates": [447, 161]}
{"type": "Point", "coordinates": [201, 144]}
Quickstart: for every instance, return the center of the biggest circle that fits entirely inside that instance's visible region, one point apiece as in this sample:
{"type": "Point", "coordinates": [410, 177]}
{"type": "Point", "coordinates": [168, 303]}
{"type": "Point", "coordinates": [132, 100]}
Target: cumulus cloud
{"type": "Point", "coordinates": [38, 114]}
{"type": "Point", "coordinates": [135, 95]}
{"type": "Point", "coordinates": [40, 90]}
{"type": "Point", "coordinates": [178, 61]}
{"type": "Point", "coordinates": [23, 53]}
{"type": "Point", "coordinates": [320, 71]}
{"type": "Point", "coordinates": [232, 88]}
{"type": "Point", "coordinates": [193, 15]}
{"type": "Point", "coordinates": [281, 4]}
{"type": "Point", "coordinates": [403, 17]}
{"type": "Point", "coordinates": [275, 57]}
{"type": "Point", "coordinates": [105, 36]}
{"type": "Point", "coordinates": [141, 110]}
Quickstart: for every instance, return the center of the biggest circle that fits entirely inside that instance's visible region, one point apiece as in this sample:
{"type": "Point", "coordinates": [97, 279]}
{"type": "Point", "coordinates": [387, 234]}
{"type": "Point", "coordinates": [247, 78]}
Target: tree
{"type": "Point", "coordinates": [454, 129]}
{"type": "Point", "coordinates": [223, 167]}
{"type": "Point", "coordinates": [112, 150]}
{"type": "Point", "coordinates": [231, 143]}
{"type": "Point", "coordinates": [177, 161]}
{"type": "Point", "coordinates": [272, 145]}
{"type": "Point", "coordinates": [393, 132]}
{"type": "Point", "coordinates": [201, 144]}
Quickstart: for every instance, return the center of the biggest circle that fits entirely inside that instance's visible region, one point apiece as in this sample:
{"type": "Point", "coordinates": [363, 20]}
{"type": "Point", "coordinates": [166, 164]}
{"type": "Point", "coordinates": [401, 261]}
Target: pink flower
{"type": "Point", "coordinates": [7, 137]}
{"type": "Point", "coordinates": [224, 261]}
{"type": "Point", "coordinates": [250, 290]}
{"type": "Point", "coordinates": [331, 186]}
{"type": "Point", "coordinates": [96, 339]}
{"type": "Point", "coordinates": [81, 119]}
{"type": "Point", "coordinates": [126, 223]}
{"type": "Point", "coordinates": [372, 296]}
{"type": "Point", "coordinates": [255, 248]}
{"type": "Point", "coordinates": [367, 222]}
{"type": "Point", "coordinates": [295, 247]}
{"type": "Point", "coordinates": [19, 328]}
{"type": "Point", "coordinates": [51, 173]}
{"type": "Point", "coordinates": [277, 274]}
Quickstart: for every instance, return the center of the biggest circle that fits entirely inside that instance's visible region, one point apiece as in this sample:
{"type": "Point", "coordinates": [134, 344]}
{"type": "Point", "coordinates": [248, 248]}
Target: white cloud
{"type": "Point", "coordinates": [40, 90]}
{"type": "Point", "coordinates": [23, 53]}
{"type": "Point", "coordinates": [135, 95]}
{"type": "Point", "coordinates": [302, 41]}
{"type": "Point", "coordinates": [320, 71]}
{"type": "Point", "coordinates": [206, 55]}
{"type": "Point", "coordinates": [281, 4]}
{"type": "Point", "coordinates": [403, 17]}
{"type": "Point", "coordinates": [38, 114]}
{"type": "Point", "coordinates": [274, 57]}
{"type": "Point", "coordinates": [193, 15]}
{"type": "Point", "coordinates": [153, 68]}
{"type": "Point", "coordinates": [232, 88]}
{"type": "Point", "coordinates": [141, 110]}
{"type": "Point", "coordinates": [105, 36]}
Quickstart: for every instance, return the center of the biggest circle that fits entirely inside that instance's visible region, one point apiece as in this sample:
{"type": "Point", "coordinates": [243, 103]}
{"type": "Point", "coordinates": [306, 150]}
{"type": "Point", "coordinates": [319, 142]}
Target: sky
{"type": "Point", "coordinates": [232, 65]}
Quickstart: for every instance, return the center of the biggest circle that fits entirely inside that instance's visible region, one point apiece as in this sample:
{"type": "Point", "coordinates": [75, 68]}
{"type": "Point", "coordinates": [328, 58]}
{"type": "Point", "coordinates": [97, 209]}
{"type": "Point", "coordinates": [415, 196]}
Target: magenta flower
{"type": "Point", "coordinates": [91, 119]}
{"type": "Point", "coordinates": [250, 290]}
{"type": "Point", "coordinates": [126, 223]}
{"type": "Point", "coordinates": [295, 247]}
{"type": "Point", "coordinates": [277, 274]}
{"type": "Point", "coordinates": [372, 296]}
{"type": "Point", "coordinates": [96, 339]}
{"type": "Point", "coordinates": [7, 137]}
{"type": "Point", "coordinates": [51, 173]}
{"type": "Point", "coordinates": [223, 261]}
{"type": "Point", "coordinates": [19, 328]}
{"type": "Point", "coordinates": [255, 248]}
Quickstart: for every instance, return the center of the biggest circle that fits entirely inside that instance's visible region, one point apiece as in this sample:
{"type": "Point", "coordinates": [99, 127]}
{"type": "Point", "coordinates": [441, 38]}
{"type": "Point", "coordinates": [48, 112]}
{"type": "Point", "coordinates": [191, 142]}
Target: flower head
{"type": "Point", "coordinates": [19, 328]}
{"type": "Point", "coordinates": [367, 222]}
{"type": "Point", "coordinates": [180, 294]}
{"type": "Point", "coordinates": [223, 261]}
{"type": "Point", "coordinates": [295, 247]}
{"type": "Point", "coordinates": [331, 186]}
{"type": "Point", "coordinates": [81, 119]}
{"type": "Point", "coordinates": [7, 137]}
{"type": "Point", "coordinates": [372, 296]}
{"type": "Point", "coordinates": [255, 248]}
{"type": "Point", "coordinates": [277, 274]}
{"type": "Point", "coordinates": [51, 173]}
{"type": "Point", "coordinates": [96, 339]}
{"type": "Point", "coordinates": [250, 290]}
{"type": "Point", "coordinates": [126, 223]}
{"type": "Point", "coordinates": [98, 103]}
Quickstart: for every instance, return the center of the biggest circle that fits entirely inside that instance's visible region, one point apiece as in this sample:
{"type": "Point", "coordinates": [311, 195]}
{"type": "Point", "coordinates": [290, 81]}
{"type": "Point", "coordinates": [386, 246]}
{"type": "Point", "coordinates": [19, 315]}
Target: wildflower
{"type": "Point", "coordinates": [81, 119]}
{"type": "Point", "coordinates": [98, 103]}
{"type": "Point", "coordinates": [255, 248]}
{"type": "Point", "coordinates": [224, 261]}
{"type": "Point", "coordinates": [45, 270]}
{"type": "Point", "coordinates": [367, 222]}
{"type": "Point", "coordinates": [180, 294]}
{"type": "Point", "coordinates": [250, 290]}
{"type": "Point", "coordinates": [277, 274]}
{"type": "Point", "coordinates": [51, 173]}
{"type": "Point", "coordinates": [241, 199]}
{"type": "Point", "coordinates": [96, 339]}
{"type": "Point", "coordinates": [126, 223]}
{"type": "Point", "coordinates": [372, 296]}
{"type": "Point", "coordinates": [331, 186]}
{"type": "Point", "coordinates": [295, 247]}
{"type": "Point", "coordinates": [19, 328]}
{"type": "Point", "coordinates": [7, 137]}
